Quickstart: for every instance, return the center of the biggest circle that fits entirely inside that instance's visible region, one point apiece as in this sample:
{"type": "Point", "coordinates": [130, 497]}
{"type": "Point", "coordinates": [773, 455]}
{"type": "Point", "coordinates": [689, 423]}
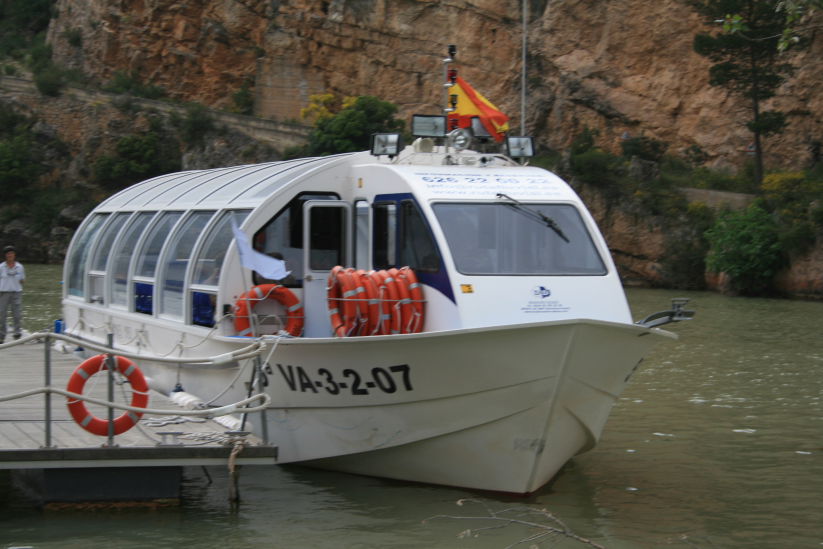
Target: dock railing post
{"type": "Point", "coordinates": [264, 427]}
{"type": "Point", "coordinates": [111, 364]}
{"type": "Point", "coordinates": [47, 394]}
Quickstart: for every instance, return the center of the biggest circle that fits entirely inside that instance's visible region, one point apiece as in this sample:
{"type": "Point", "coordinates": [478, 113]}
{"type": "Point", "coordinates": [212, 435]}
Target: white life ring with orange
{"type": "Point", "coordinates": [246, 302]}
{"type": "Point", "coordinates": [93, 424]}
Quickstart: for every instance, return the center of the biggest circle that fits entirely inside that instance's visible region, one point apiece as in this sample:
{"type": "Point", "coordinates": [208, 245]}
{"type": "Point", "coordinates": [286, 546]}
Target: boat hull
{"type": "Point", "coordinates": [498, 408]}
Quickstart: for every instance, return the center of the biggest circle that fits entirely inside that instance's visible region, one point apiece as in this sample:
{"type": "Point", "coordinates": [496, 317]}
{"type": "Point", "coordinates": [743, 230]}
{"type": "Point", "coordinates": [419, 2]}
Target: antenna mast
{"type": "Point", "coordinates": [525, 11]}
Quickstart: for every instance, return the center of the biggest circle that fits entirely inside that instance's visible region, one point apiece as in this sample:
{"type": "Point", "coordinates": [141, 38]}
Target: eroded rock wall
{"type": "Point", "coordinates": [623, 67]}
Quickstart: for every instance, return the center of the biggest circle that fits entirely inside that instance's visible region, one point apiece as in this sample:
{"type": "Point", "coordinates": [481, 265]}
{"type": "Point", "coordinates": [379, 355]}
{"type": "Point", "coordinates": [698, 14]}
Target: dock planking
{"type": "Point", "coordinates": [156, 441]}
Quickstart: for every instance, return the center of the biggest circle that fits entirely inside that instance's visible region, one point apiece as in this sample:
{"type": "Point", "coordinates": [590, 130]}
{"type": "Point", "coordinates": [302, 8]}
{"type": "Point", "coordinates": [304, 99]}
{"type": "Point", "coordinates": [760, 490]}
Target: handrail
{"type": "Point", "coordinates": [243, 406]}
{"type": "Point", "coordinates": [207, 413]}
{"type": "Point", "coordinates": [249, 351]}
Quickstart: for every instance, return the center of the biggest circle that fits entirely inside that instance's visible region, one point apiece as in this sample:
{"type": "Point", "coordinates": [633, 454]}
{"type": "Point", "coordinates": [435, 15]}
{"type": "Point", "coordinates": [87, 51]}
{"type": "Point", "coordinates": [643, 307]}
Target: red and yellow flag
{"type": "Point", "coordinates": [470, 104]}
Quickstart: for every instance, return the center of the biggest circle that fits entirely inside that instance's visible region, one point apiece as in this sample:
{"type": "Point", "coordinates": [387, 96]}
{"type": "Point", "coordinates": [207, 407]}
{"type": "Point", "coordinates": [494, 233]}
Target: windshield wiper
{"type": "Point", "coordinates": [535, 214]}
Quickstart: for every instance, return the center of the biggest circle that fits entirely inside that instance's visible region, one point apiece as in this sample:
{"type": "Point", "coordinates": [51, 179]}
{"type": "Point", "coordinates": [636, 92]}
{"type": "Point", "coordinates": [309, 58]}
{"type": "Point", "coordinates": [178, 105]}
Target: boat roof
{"type": "Point", "coordinates": [249, 186]}
{"type": "Point", "coordinates": [236, 186]}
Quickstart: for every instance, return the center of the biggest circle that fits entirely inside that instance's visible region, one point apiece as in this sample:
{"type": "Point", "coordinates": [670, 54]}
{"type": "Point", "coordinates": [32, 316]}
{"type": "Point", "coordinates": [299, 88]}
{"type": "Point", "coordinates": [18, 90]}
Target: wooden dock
{"type": "Point", "coordinates": [61, 457]}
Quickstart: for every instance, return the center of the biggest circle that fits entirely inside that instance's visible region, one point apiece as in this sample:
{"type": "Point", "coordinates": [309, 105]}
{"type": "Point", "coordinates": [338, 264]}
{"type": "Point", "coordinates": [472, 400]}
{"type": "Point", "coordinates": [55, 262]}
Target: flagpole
{"type": "Point", "coordinates": [523, 72]}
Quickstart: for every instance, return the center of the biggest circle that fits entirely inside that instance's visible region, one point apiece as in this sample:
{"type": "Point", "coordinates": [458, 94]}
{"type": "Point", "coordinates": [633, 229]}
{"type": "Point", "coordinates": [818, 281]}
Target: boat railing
{"type": "Point", "coordinates": [677, 313]}
{"type": "Point", "coordinates": [254, 403]}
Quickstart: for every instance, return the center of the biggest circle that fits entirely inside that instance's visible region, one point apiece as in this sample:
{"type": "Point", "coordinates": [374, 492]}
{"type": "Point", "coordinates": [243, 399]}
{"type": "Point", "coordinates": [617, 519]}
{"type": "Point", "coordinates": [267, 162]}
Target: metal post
{"type": "Point", "coordinates": [111, 364]}
{"type": "Point", "coordinates": [47, 367]}
{"type": "Point", "coordinates": [260, 388]}
{"type": "Point", "coordinates": [523, 70]}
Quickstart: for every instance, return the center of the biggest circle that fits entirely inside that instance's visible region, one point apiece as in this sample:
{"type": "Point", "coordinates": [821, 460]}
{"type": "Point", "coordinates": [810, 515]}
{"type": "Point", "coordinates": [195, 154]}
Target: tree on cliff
{"type": "Point", "coordinates": [796, 12]}
{"type": "Point", "coordinates": [747, 62]}
{"type": "Point", "coordinates": [350, 129]}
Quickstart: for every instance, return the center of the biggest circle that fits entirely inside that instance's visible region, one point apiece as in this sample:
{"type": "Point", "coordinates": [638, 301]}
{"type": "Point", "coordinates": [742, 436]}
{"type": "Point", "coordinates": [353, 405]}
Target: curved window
{"type": "Point", "coordinates": [207, 266]}
{"type": "Point", "coordinates": [122, 257]}
{"type": "Point", "coordinates": [176, 262]}
{"type": "Point", "coordinates": [147, 262]}
{"type": "Point", "coordinates": [76, 264]}
{"type": "Point", "coordinates": [518, 239]}
{"type": "Point", "coordinates": [97, 272]}
{"type": "Point", "coordinates": [210, 259]}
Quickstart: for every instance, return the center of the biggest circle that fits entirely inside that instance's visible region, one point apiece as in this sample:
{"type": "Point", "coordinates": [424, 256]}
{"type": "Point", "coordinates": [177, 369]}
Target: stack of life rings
{"type": "Point", "coordinates": [375, 302]}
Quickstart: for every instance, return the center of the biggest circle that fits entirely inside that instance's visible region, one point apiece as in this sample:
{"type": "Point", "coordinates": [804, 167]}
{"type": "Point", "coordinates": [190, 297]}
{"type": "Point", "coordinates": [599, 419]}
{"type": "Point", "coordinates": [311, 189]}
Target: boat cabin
{"type": "Point", "coordinates": [491, 241]}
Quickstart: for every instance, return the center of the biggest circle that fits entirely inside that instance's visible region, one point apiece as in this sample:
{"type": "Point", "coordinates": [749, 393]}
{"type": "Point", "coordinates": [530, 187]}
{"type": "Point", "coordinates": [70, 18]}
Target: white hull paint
{"type": "Point", "coordinates": [516, 402]}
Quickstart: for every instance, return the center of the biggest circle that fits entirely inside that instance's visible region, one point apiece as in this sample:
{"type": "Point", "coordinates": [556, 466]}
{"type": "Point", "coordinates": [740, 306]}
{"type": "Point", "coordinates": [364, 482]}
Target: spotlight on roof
{"type": "Point", "coordinates": [478, 129]}
{"type": "Point", "coordinates": [386, 144]}
{"type": "Point", "coordinates": [425, 125]}
{"type": "Point", "coordinates": [519, 147]}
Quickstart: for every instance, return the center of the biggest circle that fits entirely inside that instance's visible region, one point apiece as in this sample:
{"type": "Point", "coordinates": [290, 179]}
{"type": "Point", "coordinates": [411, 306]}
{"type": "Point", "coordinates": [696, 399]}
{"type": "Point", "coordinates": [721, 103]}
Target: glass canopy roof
{"type": "Point", "coordinates": [214, 188]}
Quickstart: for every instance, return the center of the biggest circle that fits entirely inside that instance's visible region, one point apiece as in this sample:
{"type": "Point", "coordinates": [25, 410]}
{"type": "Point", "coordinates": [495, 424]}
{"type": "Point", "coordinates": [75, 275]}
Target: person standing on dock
{"type": "Point", "coordinates": [12, 276]}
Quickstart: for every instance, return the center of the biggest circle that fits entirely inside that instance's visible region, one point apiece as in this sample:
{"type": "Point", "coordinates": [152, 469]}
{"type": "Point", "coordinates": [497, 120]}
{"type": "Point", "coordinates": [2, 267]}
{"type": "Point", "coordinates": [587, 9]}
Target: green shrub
{"type": "Point", "coordinates": [18, 167]}
{"type": "Point", "coordinates": [746, 246]}
{"type": "Point", "coordinates": [351, 129]}
{"type": "Point", "coordinates": [719, 180]}
{"type": "Point", "coordinates": [74, 37]}
{"type": "Point", "coordinates": [244, 99]}
{"type": "Point", "coordinates": [130, 83]}
{"type": "Point", "coordinates": [138, 157]}
{"type": "Point", "coordinates": [548, 160]}
{"type": "Point", "coordinates": [196, 124]}
{"type": "Point", "coordinates": [597, 168]}
{"type": "Point", "coordinates": [696, 156]}
{"type": "Point", "coordinates": [11, 122]}
{"type": "Point", "coordinates": [22, 23]}
{"type": "Point", "coordinates": [584, 141]}
{"type": "Point", "coordinates": [684, 264]}
{"type": "Point", "coordinates": [49, 81]}
{"type": "Point", "coordinates": [643, 147]}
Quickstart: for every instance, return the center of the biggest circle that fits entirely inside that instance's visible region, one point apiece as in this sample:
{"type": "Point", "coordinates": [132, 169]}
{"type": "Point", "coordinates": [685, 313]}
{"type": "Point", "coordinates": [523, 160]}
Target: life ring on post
{"type": "Point", "coordinates": [93, 424]}
{"type": "Point", "coordinates": [246, 302]}
{"type": "Point", "coordinates": [341, 292]}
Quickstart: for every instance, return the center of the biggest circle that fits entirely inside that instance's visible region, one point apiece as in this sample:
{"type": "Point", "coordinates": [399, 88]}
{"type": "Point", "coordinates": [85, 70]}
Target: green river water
{"type": "Point", "coordinates": [718, 442]}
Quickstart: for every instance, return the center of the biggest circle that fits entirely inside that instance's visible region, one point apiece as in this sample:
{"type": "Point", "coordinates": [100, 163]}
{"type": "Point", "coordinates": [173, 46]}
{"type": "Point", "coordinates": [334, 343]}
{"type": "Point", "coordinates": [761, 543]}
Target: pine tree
{"type": "Point", "coordinates": [747, 61]}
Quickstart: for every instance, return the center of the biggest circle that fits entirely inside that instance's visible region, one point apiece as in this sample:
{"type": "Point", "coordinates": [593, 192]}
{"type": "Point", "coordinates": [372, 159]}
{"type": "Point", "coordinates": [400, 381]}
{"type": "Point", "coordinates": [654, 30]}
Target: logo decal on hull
{"type": "Point", "coordinates": [540, 302]}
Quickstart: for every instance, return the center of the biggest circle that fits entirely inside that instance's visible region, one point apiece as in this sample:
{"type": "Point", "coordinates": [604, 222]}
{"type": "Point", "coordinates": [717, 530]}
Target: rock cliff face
{"type": "Point", "coordinates": [622, 67]}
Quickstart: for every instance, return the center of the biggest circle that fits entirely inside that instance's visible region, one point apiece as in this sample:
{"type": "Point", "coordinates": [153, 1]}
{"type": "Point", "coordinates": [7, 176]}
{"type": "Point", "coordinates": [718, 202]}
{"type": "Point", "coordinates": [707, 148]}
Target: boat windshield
{"type": "Point", "coordinates": [511, 238]}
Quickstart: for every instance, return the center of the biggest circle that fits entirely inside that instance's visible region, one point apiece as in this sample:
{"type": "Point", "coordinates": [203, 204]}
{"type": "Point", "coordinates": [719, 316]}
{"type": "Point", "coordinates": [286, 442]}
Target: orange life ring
{"type": "Point", "coordinates": [342, 292]}
{"type": "Point", "coordinates": [93, 424]}
{"type": "Point", "coordinates": [416, 293]}
{"type": "Point", "coordinates": [361, 301]}
{"type": "Point", "coordinates": [246, 302]}
{"type": "Point", "coordinates": [390, 297]}
{"type": "Point", "coordinates": [380, 307]}
{"type": "Point", "coordinates": [403, 308]}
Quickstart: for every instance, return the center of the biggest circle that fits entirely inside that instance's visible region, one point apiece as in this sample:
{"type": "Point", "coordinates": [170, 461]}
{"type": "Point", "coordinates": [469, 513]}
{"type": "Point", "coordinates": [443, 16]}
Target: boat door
{"type": "Point", "coordinates": [327, 242]}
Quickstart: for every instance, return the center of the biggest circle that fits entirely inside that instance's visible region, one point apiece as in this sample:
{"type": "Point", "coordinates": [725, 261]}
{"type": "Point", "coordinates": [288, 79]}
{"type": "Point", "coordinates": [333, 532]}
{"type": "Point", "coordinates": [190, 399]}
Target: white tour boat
{"type": "Point", "coordinates": [451, 316]}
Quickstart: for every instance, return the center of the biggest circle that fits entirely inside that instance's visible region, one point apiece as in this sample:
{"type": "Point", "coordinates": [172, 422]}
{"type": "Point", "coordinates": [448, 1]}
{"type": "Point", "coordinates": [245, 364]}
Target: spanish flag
{"type": "Point", "coordinates": [472, 104]}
